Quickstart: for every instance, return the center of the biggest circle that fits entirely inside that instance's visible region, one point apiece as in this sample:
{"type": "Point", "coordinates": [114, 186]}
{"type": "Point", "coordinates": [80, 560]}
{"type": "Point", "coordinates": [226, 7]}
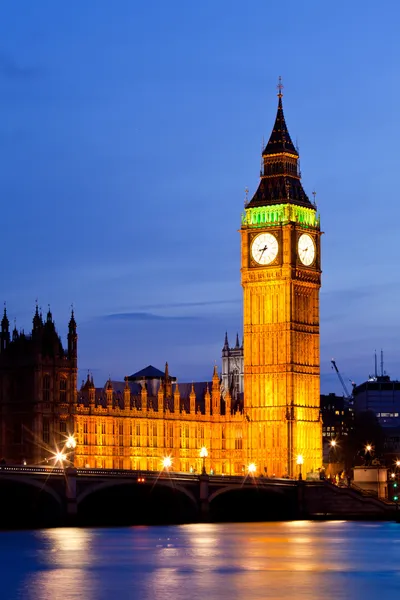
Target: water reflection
{"type": "Point", "coordinates": [299, 560]}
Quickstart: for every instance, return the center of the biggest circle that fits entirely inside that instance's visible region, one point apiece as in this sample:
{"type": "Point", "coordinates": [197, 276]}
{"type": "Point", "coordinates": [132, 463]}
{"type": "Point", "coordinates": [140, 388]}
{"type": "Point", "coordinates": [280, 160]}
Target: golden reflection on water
{"type": "Point", "coordinates": [331, 560]}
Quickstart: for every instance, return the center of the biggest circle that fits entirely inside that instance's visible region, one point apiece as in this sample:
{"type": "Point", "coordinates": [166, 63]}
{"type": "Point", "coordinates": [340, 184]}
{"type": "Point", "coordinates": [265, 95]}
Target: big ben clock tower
{"type": "Point", "coordinates": [281, 277]}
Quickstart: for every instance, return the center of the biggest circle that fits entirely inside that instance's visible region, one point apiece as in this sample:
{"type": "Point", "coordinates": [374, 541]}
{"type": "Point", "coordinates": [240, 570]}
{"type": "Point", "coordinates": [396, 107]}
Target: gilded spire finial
{"type": "Point", "coordinates": [280, 87]}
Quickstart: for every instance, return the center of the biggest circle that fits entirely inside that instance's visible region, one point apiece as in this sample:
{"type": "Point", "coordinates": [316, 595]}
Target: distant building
{"type": "Point", "coordinates": [337, 416]}
{"type": "Point", "coordinates": [233, 368]}
{"type": "Point", "coordinates": [380, 395]}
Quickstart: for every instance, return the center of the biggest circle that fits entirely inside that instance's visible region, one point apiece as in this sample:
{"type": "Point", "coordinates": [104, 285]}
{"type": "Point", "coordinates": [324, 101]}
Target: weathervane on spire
{"type": "Point", "coordinates": [280, 87]}
{"type": "Point", "coordinates": [246, 196]}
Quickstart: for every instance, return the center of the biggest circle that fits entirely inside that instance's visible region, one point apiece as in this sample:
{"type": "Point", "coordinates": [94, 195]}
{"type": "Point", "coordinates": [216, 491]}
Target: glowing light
{"type": "Point", "coordinates": [71, 442]}
{"type": "Point", "coordinates": [368, 448]}
{"type": "Point", "coordinates": [333, 443]}
{"type": "Point", "coordinates": [397, 463]}
{"type": "Point", "coordinates": [300, 459]}
{"type": "Point", "coordinates": [252, 468]}
{"type": "Point", "coordinates": [167, 462]}
{"type": "Point", "coordinates": [60, 457]}
{"type": "Point", "coordinates": [203, 452]}
{"type": "Point", "coordinates": [393, 475]}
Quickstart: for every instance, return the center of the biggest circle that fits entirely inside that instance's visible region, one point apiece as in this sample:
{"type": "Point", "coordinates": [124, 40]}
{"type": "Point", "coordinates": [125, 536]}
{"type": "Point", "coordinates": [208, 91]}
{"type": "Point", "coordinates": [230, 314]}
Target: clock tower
{"type": "Point", "coordinates": [281, 278]}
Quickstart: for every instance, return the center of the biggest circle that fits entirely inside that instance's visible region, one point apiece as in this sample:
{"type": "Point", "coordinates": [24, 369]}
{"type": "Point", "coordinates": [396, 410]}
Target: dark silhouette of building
{"type": "Point", "coordinates": [37, 389]}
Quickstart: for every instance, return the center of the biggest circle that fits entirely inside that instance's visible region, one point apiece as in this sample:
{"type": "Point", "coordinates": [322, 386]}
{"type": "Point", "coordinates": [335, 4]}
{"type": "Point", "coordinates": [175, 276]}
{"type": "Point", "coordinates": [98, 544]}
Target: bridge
{"type": "Point", "coordinates": [45, 496]}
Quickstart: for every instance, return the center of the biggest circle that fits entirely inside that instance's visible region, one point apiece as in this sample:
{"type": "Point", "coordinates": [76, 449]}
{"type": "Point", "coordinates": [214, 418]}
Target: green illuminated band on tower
{"type": "Point", "coordinates": [262, 216]}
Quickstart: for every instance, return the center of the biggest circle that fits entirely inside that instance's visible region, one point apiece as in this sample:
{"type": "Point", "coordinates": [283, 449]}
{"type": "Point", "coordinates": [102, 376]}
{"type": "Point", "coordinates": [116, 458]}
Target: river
{"type": "Point", "coordinates": [296, 560]}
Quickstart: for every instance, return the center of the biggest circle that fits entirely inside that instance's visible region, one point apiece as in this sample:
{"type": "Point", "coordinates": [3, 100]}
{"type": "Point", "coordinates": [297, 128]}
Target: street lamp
{"type": "Point", "coordinates": [60, 457]}
{"type": "Point", "coordinates": [300, 461]}
{"type": "Point", "coordinates": [203, 455]}
{"type": "Point", "coordinates": [167, 462]}
{"type": "Point", "coordinates": [71, 442]}
{"type": "Point", "coordinates": [71, 445]}
{"type": "Point", "coordinates": [252, 469]}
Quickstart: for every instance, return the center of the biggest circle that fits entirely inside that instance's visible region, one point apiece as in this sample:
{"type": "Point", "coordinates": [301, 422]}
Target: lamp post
{"type": "Point", "coordinates": [60, 458]}
{"type": "Point", "coordinates": [252, 469]}
{"type": "Point", "coordinates": [167, 462]}
{"type": "Point", "coordinates": [203, 455]}
{"type": "Point", "coordinates": [300, 461]}
{"type": "Point", "coordinates": [71, 445]}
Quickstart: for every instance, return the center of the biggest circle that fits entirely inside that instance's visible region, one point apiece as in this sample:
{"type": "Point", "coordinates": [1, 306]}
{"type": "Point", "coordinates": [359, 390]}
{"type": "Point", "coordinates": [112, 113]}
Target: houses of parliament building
{"type": "Point", "coordinates": [264, 407]}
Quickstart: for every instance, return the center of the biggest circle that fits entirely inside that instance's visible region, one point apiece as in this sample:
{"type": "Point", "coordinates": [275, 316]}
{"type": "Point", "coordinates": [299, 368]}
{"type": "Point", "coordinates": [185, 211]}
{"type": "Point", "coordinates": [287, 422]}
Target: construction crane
{"type": "Point", "coordinates": [346, 391]}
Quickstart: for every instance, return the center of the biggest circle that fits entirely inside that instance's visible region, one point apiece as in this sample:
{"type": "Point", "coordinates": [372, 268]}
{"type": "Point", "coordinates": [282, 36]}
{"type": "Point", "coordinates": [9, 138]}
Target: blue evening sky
{"type": "Point", "coordinates": [128, 133]}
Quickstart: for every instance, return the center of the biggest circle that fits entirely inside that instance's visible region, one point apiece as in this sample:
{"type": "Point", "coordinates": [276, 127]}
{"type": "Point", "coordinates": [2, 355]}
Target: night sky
{"type": "Point", "coordinates": [128, 133]}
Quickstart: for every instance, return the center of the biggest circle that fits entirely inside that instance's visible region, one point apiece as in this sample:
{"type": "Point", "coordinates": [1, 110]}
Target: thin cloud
{"type": "Point", "coordinates": [186, 304]}
{"type": "Point", "coordinates": [144, 316]}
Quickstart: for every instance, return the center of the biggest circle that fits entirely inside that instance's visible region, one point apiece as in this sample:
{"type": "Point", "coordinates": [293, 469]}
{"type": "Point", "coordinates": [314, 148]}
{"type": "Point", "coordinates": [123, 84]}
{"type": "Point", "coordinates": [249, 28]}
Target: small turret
{"type": "Point", "coordinates": [192, 400]}
{"type": "Point", "coordinates": [109, 393]}
{"type": "Point", "coordinates": [143, 396]}
{"type": "Point", "coordinates": [49, 317]}
{"type": "Point", "coordinates": [160, 397]}
{"type": "Point", "coordinates": [15, 334]}
{"type": "Point", "coordinates": [177, 399]}
{"type": "Point", "coordinates": [207, 400]}
{"type": "Point", "coordinates": [168, 382]}
{"type": "Point", "coordinates": [91, 391]}
{"type": "Point", "coordinates": [237, 341]}
{"type": "Point", "coordinates": [5, 331]}
{"type": "Point", "coordinates": [127, 395]}
{"type": "Point", "coordinates": [37, 321]}
{"type": "Point", "coordinates": [72, 338]}
{"type": "Point", "coordinates": [228, 404]}
{"type": "Point", "coordinates": [216, 393]}
{"type": "Point", "coordinates": [225, 349]}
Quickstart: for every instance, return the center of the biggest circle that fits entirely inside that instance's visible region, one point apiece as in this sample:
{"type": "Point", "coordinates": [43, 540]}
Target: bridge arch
{"type": "Point", "coordinates": [130, 502]}
{"type": "Point", "coordinates": [28, 502]}
{"type": "Point", "coordinates": [251, 503]}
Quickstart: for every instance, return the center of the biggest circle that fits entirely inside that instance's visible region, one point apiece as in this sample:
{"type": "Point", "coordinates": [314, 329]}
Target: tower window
{"type": "Point", "coordinates": [46, 388]}
{"type": "Point", "coordinates": [238, 439]}
{"type": "Point", "coordinates": [63, 390]}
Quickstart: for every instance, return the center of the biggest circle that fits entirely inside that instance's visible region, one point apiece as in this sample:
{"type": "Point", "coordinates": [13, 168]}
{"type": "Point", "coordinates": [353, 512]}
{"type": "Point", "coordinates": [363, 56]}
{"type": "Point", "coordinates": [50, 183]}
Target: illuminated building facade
{"type": "Point", "coordinates": [152, 417]}
{"type": "Point", "coordinates": [265, 408]}
{"type": "Point", "coordinates": [281, 278]}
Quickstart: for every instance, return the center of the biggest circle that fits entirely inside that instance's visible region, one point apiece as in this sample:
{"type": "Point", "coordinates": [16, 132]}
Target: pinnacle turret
{"type": "Point", "coordinates": [5, 323]}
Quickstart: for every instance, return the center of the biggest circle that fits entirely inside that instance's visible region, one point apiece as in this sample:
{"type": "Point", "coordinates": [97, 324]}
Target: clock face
{"type": "Point", "coordinates": [264, 248]}
{"type": "Point", "coordinates": [306, 249]}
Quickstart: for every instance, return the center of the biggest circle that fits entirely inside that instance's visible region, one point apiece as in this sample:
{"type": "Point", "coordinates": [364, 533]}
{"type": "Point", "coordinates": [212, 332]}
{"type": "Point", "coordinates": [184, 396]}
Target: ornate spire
{"type": "Point", "coordinates": [280, 176]}
{"type": "Point", "coordinates": [5, 323]}
{"type": "Point", "coordinates": [37, 321]}
{"type": "Point", "coordinates": [72, 322]}
{"type": "Point", "coordinates": [237, 341]}
{"type": "Point", "coordinates": [49, 317]}
{"type": "Point", "coordinates": [280, 140]}
{"type": "Point", "coordinates": [226, 343]}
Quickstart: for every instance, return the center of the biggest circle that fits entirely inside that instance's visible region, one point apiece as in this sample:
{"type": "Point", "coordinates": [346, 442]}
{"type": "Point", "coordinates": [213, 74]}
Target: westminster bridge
{"type": "Point", "coordinates": [45, 496]}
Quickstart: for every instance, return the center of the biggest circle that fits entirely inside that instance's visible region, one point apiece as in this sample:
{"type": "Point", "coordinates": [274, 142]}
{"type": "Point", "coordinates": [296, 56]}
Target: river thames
{"type": "Point", "coordinates": [302, 559]}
